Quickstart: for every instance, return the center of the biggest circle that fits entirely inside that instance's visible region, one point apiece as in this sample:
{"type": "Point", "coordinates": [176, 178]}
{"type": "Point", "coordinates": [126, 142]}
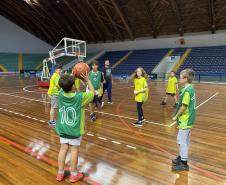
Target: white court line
{"type": "Point", "coordinates": [116, 142]}
{"type": "Point", "coordinates": [25, 98]}
{"type": "Point", "coordinates": [152, 122]}
{"type": "Point", "coordinates": [25, 89]}
{"type": "Point", "coordinates": [211, 97]}
{"type": "Point", "coordinates": [102, 138]}
{"type": "Point", "coordinates": [129, 146]}
{"type": "Point", "coordinates": [89, 134]}
{"type": "Point", "coordinates": [206, 100]}
{"type": "Point", "coordinates": [116, 115]}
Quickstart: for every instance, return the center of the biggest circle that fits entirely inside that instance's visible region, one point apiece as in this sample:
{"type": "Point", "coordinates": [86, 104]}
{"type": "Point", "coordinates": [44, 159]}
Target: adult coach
{"type": "Point", "coordinates": [108, 80]}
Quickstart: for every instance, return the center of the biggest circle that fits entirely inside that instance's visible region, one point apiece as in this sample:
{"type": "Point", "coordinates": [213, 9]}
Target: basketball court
{"type": "Point", "coordinates": [112, 150]}
{"type": "Point", "coordinates": [40, 39]}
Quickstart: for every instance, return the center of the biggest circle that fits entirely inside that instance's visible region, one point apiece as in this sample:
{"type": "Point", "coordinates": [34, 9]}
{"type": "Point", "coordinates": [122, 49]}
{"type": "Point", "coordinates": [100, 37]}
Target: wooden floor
{"type": "Point", "coordinates": [112, 152]}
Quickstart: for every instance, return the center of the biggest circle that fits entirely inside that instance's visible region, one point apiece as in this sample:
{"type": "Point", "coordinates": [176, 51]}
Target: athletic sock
{"type": "Point", "coordinates": [74, 173]}
{"type": "Point", "coordinates": [61, 172]}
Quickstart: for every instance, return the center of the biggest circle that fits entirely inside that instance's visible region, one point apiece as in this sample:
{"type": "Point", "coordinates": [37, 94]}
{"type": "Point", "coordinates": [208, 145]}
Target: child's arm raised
{"type": "Point", "coordinates": [86, 79]}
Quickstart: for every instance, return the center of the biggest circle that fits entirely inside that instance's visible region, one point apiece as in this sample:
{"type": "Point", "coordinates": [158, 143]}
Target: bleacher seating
{"type": "Point", "coordinates": [178, 51]}
{"type": "Point", "coordinates": [113, 57]}
{"type": "Point", "coordinates": [206, 60]}
{"type": "Point", "coordinates": [147, 59]}
{"type": "Point", "coordinates": [31, 61]}
{"type": "Point", "coordinates": [9, 61]}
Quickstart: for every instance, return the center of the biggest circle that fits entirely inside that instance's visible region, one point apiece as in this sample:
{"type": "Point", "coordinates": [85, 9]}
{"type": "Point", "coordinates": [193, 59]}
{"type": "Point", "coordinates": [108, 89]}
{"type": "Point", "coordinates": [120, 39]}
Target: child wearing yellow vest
{"type": "Point", "coordinates": [53, 92]}
{"type": "Point", "coordinates": [140, 92]}
{"type": "Point", "coordinates": [172, 87]}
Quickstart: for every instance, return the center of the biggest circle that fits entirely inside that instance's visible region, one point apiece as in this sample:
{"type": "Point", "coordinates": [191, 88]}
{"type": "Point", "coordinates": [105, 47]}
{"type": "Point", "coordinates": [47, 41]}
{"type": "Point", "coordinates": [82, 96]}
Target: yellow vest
{"type": "Point", "coordinates": [140, 84]}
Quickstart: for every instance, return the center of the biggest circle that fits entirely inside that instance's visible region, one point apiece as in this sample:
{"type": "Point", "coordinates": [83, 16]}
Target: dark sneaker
{"type": "Point", "coordinates": [93, 117]}
{"type": "Point", "coordinates": [176, 161]}
{"type": "Point", "coordinates": [52, 123]}
{"type": "Point", "coordinates": [138, 124]}
{"type": "Point", "coordinates": [180, 167]}
{"type": "Point", "coordinates": [163, 103]}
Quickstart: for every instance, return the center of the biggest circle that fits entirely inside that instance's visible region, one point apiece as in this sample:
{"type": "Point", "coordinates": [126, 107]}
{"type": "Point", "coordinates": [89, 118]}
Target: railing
{"type": "Point", "coordinates": [200, 77]}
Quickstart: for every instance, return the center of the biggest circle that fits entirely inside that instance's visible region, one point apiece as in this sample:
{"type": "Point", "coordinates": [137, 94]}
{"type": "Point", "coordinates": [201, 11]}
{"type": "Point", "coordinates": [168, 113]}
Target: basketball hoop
{"type": "Point", "coordinates": [78, 54]}
{"type": "Point", "coordinates": [66, 47]}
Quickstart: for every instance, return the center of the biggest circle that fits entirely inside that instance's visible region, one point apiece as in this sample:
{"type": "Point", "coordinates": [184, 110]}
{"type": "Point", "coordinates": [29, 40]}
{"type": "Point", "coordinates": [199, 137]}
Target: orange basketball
{"type": "Point", "coordinates": [80, 68]}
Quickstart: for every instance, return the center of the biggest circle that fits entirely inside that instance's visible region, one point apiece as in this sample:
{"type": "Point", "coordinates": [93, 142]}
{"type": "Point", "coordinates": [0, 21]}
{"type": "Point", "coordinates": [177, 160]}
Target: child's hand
{"type": "Point", "coordinates": [85, 77]}
{"type": "Point", "coordinates": [174, 118]}
{"type": "Point", "coordinates": [135, 92]}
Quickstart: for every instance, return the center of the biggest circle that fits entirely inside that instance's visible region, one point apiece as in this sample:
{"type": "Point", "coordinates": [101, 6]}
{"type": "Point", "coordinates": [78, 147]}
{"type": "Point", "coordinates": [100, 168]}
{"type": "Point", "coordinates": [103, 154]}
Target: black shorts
{"type": "Point", "coordinates": [170, 94]}
{"type": "Point", "coordinates": [97, 99]}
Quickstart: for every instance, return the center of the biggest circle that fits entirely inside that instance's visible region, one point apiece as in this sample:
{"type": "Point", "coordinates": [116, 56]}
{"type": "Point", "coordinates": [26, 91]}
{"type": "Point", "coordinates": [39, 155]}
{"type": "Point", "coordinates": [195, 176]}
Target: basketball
{"type": "Point", "coordinates": [80, 68]}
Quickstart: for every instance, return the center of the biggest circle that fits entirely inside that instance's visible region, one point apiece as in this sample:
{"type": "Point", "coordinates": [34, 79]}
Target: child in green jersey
{"type": "Point", "coordinates": [185, 117]}
{"type": "Point", "coordinates": [70, 123]}
{"type": "Point", "coordinates": [96, 78]}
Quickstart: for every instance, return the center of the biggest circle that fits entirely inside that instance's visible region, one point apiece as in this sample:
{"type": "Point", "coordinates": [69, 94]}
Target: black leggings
{"type": "Point", "coordinates": [140, 111]}
{"type": "Point", "coordinates": [97, 100]}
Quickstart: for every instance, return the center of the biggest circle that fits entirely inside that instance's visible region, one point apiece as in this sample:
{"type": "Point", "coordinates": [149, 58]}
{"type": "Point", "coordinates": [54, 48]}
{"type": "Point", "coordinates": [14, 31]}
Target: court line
{"type": "Point", "coordinates": [36, 119]}
{"type": "Point", "coordinates": [16, 113]}
{"type": "Point", "coordinates": [42, 157]}
{"type": "Point", "coordinates": [115, 115]}
{"type": "Point", "coordinates": [116, 142]}
{"type": "Point", "coordinates": [126, 117]}
{"type": "Point", "coordinates": [201, 104]}
{"type": "Point", "coordinates": [4, 104]}
{"type": "Point", "coordinates": [142, 137]}
{"type": "Point", "coordinates": [25, 89]}
{"type": "Point", "coordinates": [38, 100]}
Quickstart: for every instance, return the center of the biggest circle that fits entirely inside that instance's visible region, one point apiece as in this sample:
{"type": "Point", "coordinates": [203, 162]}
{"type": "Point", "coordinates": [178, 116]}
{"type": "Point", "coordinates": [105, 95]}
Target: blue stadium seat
{"type": "Point", "coordinates": [147, 59]}
{"type": "Point", "coordinates": [206, 60]}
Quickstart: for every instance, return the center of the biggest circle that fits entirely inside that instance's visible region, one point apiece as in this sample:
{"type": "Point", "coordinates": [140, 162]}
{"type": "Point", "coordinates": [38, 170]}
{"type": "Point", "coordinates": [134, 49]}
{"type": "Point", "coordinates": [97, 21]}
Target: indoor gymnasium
{"type": "Point", "coordinates": [112, 92]}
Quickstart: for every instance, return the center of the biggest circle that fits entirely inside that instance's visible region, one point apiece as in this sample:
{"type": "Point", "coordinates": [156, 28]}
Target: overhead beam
{"type": "Point", "coordinates": [15, 20]}
{"type": "Point", "coordinates": [212, 17]}
{"type": "Point", "coordinates": [50, 35]}
{"type": "Point", "coordinates": [119, 12]}
{"type": "Point", "coordinates": [15, 11]}
{"type": "Point", "coordinates": [107, 30]}
{"type": "Point", "coordinates": [58, 27]}
{"type": "Point", "coordinates": [176, 10]}
{"type": "Point", "coordinates": [52, 11]}
{"type": "Point", "coordinates": [97, 30]}
{"type": "Point", "coordinates": [80, 19]}
{"type": "Point", "coordinates": [149, 13]}
{"type": "Point", "coordinates": [110, 19]}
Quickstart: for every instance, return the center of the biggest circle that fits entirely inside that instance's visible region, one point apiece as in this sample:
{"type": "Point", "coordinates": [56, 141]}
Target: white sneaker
{"type": "Point", "coordinates": [110, 102]}
{"type": "Point", "coordinates": [102, 105]}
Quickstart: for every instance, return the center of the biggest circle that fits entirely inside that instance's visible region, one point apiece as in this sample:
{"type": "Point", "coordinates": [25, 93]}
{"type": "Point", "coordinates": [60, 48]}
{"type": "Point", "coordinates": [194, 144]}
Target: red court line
{"type": "Point", "coordinates": [142, 138]}
{"type": "Point", "coordinates": [46, 159]}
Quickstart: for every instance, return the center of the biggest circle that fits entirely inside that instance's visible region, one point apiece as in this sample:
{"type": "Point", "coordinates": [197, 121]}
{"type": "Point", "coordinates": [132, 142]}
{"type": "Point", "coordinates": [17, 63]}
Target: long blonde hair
{"type": "Point", "coordinates": [144, 74]}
